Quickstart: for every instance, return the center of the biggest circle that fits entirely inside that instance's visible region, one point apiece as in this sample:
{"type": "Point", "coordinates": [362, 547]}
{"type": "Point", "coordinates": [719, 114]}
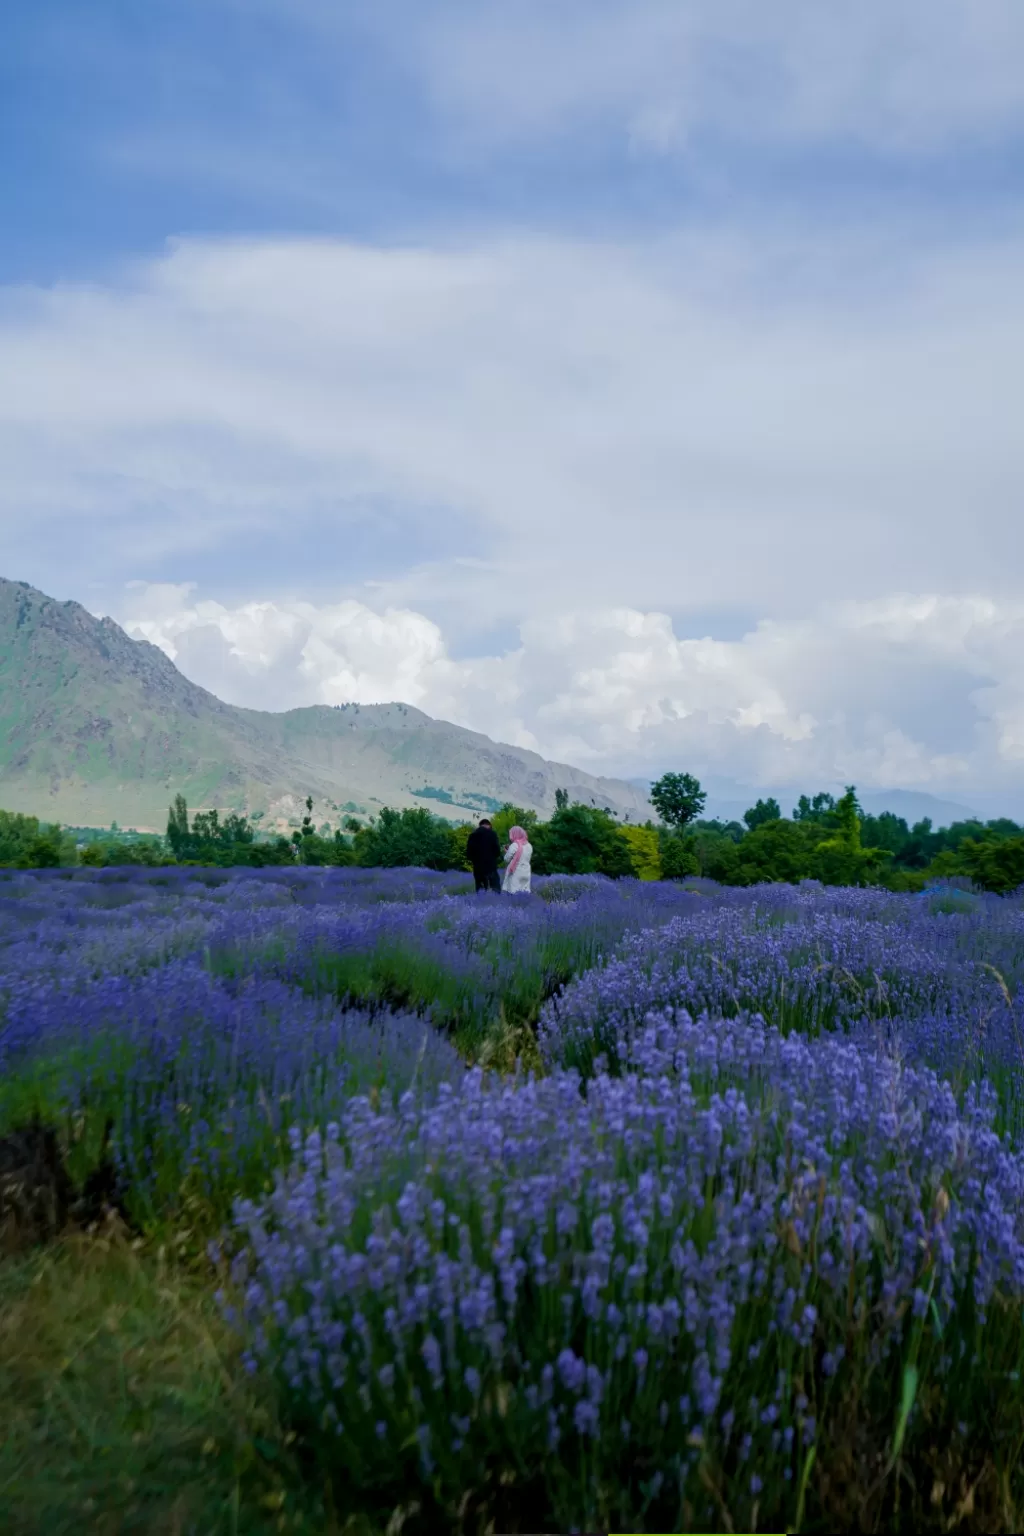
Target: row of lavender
{"type": "Point", "coordinates": [209, 1015]}
{"type": "Point", "coordinates": [654, 1307]}
{"type": "Point", "coordinates": [757, 1235]}
{"type": "Point", "coordinates": [895, 975]}
{"type": "Point", "coordinates": [738, 1257]}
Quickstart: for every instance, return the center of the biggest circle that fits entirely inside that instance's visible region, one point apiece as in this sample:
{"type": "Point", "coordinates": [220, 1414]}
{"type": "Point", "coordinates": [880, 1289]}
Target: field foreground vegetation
{"type": "Point", "coordinates": [624, 1206]}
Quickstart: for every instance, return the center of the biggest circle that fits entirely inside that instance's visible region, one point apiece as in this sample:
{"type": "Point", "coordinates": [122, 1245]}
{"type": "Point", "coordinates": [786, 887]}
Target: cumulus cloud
{"type": "Point", "coordinates": [631, 434]}
{"type": "Point", "coordinates": [673, 425]}
{"type": "Point", "coordinates": [914, 692]}
{"type": "Point", "coordinates": [274, 655]}
{"type": "Point", "coordinates": [377, 456]}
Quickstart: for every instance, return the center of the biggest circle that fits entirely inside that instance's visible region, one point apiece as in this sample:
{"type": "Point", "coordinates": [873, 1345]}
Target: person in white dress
{"type": "Point", "coordinates": [516, 878]}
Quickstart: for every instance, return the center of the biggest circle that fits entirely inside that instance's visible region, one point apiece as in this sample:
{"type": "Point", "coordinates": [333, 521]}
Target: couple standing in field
{"type": "Point", "coordinates": [484, 853]}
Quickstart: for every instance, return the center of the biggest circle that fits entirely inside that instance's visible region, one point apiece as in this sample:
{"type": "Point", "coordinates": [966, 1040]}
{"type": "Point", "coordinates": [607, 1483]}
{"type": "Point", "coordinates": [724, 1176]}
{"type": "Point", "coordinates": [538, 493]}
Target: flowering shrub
{"type": "Point", "coordinates": [204, 1080]}
{"type": "Point", "coordinates": [876, 966]}
{"type": "Point", "coordinates": [747, 1253]}
{"type": "Point", "coordinates": [598, 1304]}
{"type": "Point", "coordinates": [402, 939]}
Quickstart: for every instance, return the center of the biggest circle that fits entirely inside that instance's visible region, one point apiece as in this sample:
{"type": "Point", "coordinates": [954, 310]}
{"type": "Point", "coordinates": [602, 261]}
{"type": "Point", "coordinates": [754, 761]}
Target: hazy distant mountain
{"type": "Point", "coordinates": [97, 727]}
{"type": "Point", "coordinates": [729, 800]}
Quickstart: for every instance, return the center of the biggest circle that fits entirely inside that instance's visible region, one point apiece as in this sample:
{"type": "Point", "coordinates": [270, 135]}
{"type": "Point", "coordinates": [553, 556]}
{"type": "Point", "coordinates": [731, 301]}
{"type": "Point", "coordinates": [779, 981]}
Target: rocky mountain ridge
{"type": "Point", "coordinates": [98, 727]}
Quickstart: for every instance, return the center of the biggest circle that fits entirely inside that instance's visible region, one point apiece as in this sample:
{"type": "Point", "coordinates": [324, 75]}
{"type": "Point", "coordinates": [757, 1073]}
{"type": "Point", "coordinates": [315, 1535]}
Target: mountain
{"type": "Point", "coordinates": [97, 727]}
{"type": "Point", "coordinates": [727, 800]}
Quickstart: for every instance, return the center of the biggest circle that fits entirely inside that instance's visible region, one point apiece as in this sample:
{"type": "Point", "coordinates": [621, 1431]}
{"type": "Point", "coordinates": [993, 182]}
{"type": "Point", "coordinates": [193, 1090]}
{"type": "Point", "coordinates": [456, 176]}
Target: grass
{"type": "Point", "coordinates": [40, 1088]}
{"type": "Point", "coordinates": [124, 1408]}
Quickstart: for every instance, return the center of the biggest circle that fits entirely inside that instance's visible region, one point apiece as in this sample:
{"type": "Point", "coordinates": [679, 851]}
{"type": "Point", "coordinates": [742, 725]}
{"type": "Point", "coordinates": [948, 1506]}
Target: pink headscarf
{"type": "Point", "coordinates": [517, 836]}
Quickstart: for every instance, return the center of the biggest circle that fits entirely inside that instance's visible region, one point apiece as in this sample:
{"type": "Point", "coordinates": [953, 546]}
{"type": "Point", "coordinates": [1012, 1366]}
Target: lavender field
{"type": "Point", "coordinates": [620, 1206]}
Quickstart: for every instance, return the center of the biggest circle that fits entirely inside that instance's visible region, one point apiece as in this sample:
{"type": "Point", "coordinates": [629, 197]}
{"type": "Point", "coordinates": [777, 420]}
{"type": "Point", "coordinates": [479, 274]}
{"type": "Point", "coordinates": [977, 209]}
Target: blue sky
{"type": "Point", "coordinates": [126, 125]}
{"type": "Point", "coordinates": [632, 381]}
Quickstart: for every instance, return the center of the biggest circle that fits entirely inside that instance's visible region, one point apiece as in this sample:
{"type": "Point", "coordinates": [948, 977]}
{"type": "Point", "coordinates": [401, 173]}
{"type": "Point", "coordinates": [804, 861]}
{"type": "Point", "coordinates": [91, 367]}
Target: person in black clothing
{"type": "Point", "coordinates": [484, 852]}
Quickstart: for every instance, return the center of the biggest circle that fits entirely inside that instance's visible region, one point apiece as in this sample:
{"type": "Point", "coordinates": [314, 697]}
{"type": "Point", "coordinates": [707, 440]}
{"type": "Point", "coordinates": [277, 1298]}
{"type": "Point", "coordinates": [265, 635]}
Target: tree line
{"type": "Point", "coordinates": [826, 839]}
{"type": "Point", "coordinates": [837, 842]}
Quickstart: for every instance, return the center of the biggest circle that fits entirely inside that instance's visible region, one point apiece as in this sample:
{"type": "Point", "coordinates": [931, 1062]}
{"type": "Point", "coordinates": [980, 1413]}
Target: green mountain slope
{"type": "Point", "coordinates": [97, 727]}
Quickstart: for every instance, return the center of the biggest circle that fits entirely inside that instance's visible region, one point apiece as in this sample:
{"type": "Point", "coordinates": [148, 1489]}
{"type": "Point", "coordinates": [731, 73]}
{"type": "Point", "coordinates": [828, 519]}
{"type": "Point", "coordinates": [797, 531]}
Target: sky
{"type": "Point", "coordinates": [633, 380]}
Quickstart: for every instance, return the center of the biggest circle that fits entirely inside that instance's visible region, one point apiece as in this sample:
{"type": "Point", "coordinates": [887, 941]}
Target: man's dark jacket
{"type": "Point", "coordinates": [483, 850]}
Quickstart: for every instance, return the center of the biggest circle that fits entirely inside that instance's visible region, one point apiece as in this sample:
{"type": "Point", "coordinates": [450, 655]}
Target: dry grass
{"type": "Point", "coordinates": [123, 1407]}
{"type": "Point", "coordinates": [508, 1048]}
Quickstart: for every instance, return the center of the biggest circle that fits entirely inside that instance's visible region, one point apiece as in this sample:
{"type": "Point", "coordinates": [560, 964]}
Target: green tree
{"type": "Point", "coordinates": [177, 827]}
{"type": "Point", "coordinates": [775, 850]}
{"type": "Point", "coordinates": [678, 858]}
{"type": "Point", "coordinates": [1003, 827]}
{"type": "Point", "coordinates": [410, 837]}
{"type": "Point", "coordinates": [616, 858]}
{"type": "Point", "coordinates": [821, 809]}
{"type": "Point", "coordinates": [996, 864]}
{"type": "Point", "coordinates": [307, 828]}
{"type": "Point", "coordinates": [210, 840]}
{"type": "Point", "coordinates": [764, 810]}
{"type": "Point", "coordinates": [108, 852]}
{"type": "Point", "coordinates": [644, 850]}
{"type": "Point", "coordinates": [841, 859]}
{"type": "Point", "coordinates": [513, 816]}
{"type": "Point", "coordinates": [561, 799]}
{"type": "Point", "coordinates": [581, 840]}
{"type": "Point", "coordinates": [920, 846]}
{"type": "Point", "coordinates": [735, 831]}
{"type": "Point", "coordinates": [714, 845]}
{"type": "Point", "coordinates": [319, 848]}
{"type": "Point", "coordinates": [458, 837]}
{"type": "Point", "coordinates": [678, 799]}
{"type": "Point", "coordinates": [25, 844]}
{"type": "Point", "coordinates": [886, 831]}
{"type": "Point", "coordinates": [276, 850]}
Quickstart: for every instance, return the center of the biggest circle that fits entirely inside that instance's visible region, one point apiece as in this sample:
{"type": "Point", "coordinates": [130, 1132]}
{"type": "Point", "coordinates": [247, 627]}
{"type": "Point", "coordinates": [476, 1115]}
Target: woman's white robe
{"type": "Point", "coordinates": [513, 883]}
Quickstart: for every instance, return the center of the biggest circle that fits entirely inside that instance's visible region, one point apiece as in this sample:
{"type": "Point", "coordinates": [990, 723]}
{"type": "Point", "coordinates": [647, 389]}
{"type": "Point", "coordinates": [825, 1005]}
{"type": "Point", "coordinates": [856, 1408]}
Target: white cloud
{"type": "Point", "coordinates": [629, 433]}
{"type": "Point", "coordinates": [910, 691]}
{"type": "Point", "coordinates": [403, 88]}
{"type": "Point", "coordinates": [902, 77]}
{"type": "Point", "coordinates": [586, 442]}
{"type": "Point", "coordinates": [674, 425]}
{"type": "Point", "coordinates": [271, 655]}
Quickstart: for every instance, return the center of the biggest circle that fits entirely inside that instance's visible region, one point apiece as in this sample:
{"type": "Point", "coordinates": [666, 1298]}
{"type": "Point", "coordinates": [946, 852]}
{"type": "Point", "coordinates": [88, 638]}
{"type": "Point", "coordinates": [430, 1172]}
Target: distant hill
{"type": "Point", "coordinates": [97, 727]}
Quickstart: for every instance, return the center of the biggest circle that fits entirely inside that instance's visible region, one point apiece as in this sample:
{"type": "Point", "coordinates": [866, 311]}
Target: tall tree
{"type": "Point", "coordinates": [841, 859]}
{"type": "Point", "coordinates": [820, 809]}
{"type": "Point", "coordinates": [177, 826]}
{"type": "Point", "coordinates": [644, 851]}
{"type": "Point", "coordinates": [678, 799]}
{"type": "Point", "coordinates": [307, 829]}
{"type": "Point", "coordinates": [764, 810]}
